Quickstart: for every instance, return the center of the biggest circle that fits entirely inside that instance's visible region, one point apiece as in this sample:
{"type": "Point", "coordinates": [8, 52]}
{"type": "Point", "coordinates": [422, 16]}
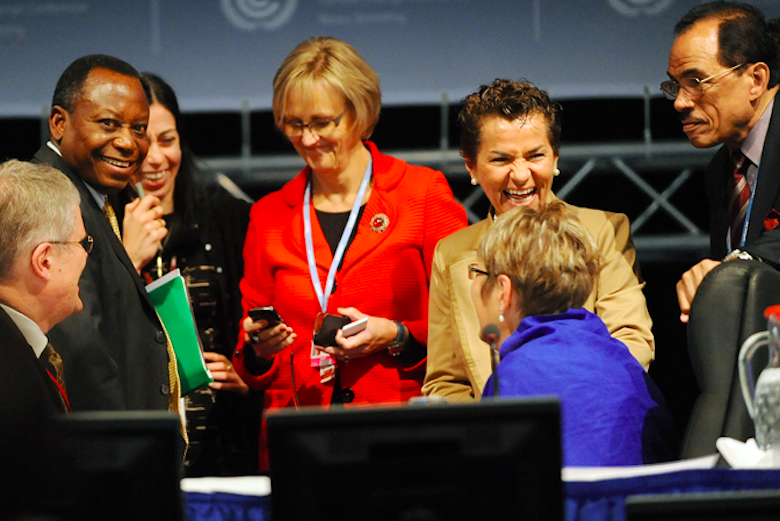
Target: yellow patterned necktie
{"type": "Point", "coordinates": [174, 397]}
{"type": "Point", "coordinates": [109, 211]}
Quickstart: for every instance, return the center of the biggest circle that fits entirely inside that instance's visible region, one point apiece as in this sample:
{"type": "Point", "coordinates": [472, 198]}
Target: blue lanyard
{"type": "Point", "coordinates": [322, 296]}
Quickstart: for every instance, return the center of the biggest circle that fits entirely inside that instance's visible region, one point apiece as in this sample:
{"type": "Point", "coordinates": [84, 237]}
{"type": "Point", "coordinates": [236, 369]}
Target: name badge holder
{"type": "Point", "coordinates": [325, 362]}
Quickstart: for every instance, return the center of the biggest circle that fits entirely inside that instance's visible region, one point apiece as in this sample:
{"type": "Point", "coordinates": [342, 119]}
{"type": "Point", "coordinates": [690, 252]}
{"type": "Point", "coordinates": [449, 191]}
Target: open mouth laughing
{"type": "Point", "coordinates": [154, 176]}
{"type": "Point", "coordinates": [520, 196]}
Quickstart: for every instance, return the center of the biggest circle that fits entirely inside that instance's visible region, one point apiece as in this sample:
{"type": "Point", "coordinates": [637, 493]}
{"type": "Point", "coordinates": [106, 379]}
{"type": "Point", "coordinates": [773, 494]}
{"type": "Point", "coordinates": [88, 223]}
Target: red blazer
{"type": "Point", "coordinates": [384, 273]}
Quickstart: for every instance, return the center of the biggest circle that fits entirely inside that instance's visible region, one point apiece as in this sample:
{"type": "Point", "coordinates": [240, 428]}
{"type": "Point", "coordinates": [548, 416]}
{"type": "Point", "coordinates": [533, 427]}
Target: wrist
{"type": "Point", "coordinates": [398, 344]}
{"type": "Point", "coordinates": [740, 254]}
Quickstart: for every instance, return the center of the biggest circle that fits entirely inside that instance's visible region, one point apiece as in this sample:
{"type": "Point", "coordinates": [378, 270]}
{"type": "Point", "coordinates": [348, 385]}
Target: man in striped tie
{"type": "Point", "coordinates": [116, 352]}
{"type": "Point", "coordinates": [723, 72]}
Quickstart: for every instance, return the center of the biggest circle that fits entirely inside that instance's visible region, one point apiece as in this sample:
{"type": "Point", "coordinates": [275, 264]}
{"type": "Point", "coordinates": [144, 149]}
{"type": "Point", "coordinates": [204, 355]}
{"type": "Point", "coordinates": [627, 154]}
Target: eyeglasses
{"type": "Point", "coordinates": [85, 243]}
{"type": "Point", "coordinates": [692, 86]}
{"type": "Point", "coordinates": [318, 127]}
{"type": "Point", "coordinates": [474, 271]}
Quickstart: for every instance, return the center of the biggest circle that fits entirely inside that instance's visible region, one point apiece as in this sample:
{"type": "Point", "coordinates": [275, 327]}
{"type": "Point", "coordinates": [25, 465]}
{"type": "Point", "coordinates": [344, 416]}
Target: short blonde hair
{"type": "Point", "coordinates": [326, 61]}
{"type": "Point", "coordinates": [547, 254]}
{"type": "Point", "coordinates": [37, 204]}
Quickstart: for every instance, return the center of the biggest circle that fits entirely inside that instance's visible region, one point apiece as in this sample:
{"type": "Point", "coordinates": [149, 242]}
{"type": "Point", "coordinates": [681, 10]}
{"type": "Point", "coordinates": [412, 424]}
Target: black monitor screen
{"type": "Point", "coordinates": [110, 465]}
{"type": "Point", "coordinates": [415, 463]}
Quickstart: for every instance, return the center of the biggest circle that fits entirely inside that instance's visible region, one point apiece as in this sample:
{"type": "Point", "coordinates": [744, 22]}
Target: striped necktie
{"type": "Point", "coordinates": [54, 358]}
{"type": "Point", "coordinates": [740, 197]}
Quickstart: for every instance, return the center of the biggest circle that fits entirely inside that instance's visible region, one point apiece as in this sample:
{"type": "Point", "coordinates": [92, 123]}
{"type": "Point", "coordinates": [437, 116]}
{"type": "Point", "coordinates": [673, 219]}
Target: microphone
{"type": "Point", "coordinates": [491, 335]}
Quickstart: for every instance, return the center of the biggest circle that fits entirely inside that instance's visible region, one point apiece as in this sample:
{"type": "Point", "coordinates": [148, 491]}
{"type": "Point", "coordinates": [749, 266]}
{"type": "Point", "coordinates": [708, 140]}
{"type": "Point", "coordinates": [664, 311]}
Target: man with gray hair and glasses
{"type": "Point", "coordinates": [723, 76]}
{"type": "Point", "coordinates": [43, 250]}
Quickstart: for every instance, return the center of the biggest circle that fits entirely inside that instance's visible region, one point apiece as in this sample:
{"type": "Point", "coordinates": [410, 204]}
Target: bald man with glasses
{"type": "Point", "coordinates": [723, 76]}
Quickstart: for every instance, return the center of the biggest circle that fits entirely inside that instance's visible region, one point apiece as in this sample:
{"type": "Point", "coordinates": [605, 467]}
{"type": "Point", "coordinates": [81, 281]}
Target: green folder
{"type": "Point", "coordinates": [172, 302]}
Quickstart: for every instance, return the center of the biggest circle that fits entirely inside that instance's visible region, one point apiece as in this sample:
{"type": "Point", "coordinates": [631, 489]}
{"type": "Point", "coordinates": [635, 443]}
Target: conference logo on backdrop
{"type": "Point", "coordinates": [249, 15]}
{"type": "Point", "coordinates": [634, 8]}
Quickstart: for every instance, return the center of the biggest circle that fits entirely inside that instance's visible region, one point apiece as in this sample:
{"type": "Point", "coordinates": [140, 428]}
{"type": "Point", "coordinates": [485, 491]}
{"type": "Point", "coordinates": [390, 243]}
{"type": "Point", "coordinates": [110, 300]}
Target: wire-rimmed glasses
{"type": "Point", "coordinates": [692, 86]}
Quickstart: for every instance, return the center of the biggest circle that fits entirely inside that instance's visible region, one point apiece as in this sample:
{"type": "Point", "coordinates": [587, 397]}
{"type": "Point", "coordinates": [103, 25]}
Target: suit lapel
{"type": "Point", "coordinates": [768, 182]}
{"type": "Point", "coordinates": [16, 341]}
{"type": "Point", "coordinates": [717, 185]}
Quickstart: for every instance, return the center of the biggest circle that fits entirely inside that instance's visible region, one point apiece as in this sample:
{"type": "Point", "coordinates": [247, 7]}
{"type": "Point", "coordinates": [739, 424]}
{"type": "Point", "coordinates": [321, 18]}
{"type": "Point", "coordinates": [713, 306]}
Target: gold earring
{"type": "Point", "coordinates": [474, 181]}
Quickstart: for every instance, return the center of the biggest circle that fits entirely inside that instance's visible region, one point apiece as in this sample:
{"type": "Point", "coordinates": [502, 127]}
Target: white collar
{"type": "Point", "coordinates": [753, 146]}
{"type": "Point", "coordinates": [30, 330]}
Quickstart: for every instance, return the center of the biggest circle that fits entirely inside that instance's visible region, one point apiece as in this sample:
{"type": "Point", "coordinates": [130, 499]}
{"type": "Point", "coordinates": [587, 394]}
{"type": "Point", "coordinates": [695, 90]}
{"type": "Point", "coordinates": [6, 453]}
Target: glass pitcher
{"type": "Point", "coordinates": [762, 397]}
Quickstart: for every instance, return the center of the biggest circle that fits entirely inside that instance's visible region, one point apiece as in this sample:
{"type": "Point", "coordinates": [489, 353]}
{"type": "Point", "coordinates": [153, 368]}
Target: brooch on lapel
{"type": "Point", "coordinates": [379, 223]}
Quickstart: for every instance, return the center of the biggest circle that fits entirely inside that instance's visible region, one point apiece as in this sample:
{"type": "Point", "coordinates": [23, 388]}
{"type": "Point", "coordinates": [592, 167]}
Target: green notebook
{"type": "Point", "coordinates": [172, 302]}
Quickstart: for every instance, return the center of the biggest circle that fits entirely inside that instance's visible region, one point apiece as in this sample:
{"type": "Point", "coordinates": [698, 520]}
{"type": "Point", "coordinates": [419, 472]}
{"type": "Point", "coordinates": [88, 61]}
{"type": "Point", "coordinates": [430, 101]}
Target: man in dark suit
{"type": "Point", "coordinates": [723, 76]}
{"type": "Point", "coordinates": [116, 351]}
{"type": "Point", "coordinates": [43, 251]}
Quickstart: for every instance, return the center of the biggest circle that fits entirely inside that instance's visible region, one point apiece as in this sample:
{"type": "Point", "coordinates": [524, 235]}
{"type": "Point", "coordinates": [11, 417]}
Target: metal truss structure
{"type": "Point", "coordinates": [656, 180]}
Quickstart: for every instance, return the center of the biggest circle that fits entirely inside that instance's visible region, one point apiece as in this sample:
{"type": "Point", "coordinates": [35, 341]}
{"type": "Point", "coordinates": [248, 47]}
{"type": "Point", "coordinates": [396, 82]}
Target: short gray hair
{"type": "Point", "coordinates": [550, 258]}
{"type": "Point", "coordinates": [36, 205]}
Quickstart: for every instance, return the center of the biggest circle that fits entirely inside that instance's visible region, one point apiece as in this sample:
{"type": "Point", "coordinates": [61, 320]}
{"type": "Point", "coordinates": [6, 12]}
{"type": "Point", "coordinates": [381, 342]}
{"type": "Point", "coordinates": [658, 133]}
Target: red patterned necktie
{"type": "Point", "coordinates": [54, 358]}
{"type": "Point", "coordinates": [740, 197]}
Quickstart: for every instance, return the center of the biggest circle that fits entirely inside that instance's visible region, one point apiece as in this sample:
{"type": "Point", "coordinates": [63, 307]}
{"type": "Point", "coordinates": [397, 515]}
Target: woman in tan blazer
{"type": "Point", "coordinates": [510, 137]}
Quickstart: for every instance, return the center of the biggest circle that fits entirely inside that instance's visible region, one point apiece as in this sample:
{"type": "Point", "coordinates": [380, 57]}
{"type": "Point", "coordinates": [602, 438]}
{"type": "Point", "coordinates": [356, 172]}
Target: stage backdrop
{"type": "Point", "coordinates": [222, 54]}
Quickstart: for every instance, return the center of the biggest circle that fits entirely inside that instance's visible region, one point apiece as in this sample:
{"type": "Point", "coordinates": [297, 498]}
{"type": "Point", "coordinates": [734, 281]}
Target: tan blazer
{"type": "Point", "coordinates": [459, 362]}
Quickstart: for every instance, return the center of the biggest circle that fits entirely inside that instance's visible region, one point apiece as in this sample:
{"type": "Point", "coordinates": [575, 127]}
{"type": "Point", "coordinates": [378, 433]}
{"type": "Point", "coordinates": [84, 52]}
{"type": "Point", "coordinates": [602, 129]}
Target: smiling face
{"type": "Point", "coordinates": [103, 137]}
{"type": "Point", "coordinates": [159, 169]}
{"type": "Point", "coordinates": [723, 112]}
{"type": "Point", "coordinates": [324, 154]}
{"type": "Point", "coordinates": [515, 162]}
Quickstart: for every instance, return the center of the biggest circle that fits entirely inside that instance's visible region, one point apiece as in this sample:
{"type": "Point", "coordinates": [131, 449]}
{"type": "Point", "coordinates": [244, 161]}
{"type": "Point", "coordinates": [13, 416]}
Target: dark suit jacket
{"type": "Point", "coordinates": [28, 401]}
{"type": "Point", "coordinates": [25, 386]}
{"type": "Point", "coordinates": [114, 350]}
{"type": "Point", "coordinates": [765, 244]}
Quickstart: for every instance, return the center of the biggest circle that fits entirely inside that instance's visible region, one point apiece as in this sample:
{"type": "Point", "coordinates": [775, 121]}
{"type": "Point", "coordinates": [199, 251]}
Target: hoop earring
{"type": "Point", "coordinates": [556, 172]}
{"type": "Point", "coordinates": [474, 181]}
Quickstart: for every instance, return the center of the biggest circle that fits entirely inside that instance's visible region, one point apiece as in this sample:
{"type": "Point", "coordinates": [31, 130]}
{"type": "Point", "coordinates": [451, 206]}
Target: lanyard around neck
{"type": "Point", "coordinates": [322, 296]}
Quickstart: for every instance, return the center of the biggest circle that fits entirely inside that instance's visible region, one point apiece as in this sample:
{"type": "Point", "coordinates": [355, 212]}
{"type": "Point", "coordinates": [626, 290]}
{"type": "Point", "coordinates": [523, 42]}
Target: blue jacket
{"type": "Point", "coordinates": [611, 411]}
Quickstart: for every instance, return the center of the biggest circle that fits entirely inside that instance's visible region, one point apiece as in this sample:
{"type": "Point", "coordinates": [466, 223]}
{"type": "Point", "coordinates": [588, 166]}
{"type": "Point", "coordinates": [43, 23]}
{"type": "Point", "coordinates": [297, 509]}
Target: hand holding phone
{"type": "Point", "coordinates": [325, 329]}
{"type": "Point", "coordinates": [353, 328]}
{"type": "Point", "coordinates": [267, 313]}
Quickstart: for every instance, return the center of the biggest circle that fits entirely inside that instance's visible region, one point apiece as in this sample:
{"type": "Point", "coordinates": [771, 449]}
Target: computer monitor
{"type": "Point", "coordinates": [415, 463]}
{"type": "Point", "coordinates": [108, 465]}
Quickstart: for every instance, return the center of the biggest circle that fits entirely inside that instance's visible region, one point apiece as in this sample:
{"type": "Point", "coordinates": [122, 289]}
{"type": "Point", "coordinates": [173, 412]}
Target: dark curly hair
{"type": "Point", "coordinates": [510, 100]}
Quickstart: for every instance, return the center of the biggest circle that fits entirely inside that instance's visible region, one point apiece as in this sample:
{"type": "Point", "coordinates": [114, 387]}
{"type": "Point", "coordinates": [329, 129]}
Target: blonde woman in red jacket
{"type": "Point", "coordinates": [353, 234]}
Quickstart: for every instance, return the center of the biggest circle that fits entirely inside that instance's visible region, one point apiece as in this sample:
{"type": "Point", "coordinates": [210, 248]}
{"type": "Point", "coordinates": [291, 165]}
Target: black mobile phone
{"type": "Point", "coordinates": [267, 313]}
{"type": "Point", "coordinates": [326, 334]}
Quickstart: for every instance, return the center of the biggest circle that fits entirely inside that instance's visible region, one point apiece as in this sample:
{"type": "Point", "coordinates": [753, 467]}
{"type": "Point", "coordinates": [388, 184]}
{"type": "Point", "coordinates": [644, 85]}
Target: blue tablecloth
{"type": "Point", "coordinates": [221, 506]}
{"type": "Point", "coordinates": [605, 500]}
{"type": "Point", "coordinates": [585, 501]}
